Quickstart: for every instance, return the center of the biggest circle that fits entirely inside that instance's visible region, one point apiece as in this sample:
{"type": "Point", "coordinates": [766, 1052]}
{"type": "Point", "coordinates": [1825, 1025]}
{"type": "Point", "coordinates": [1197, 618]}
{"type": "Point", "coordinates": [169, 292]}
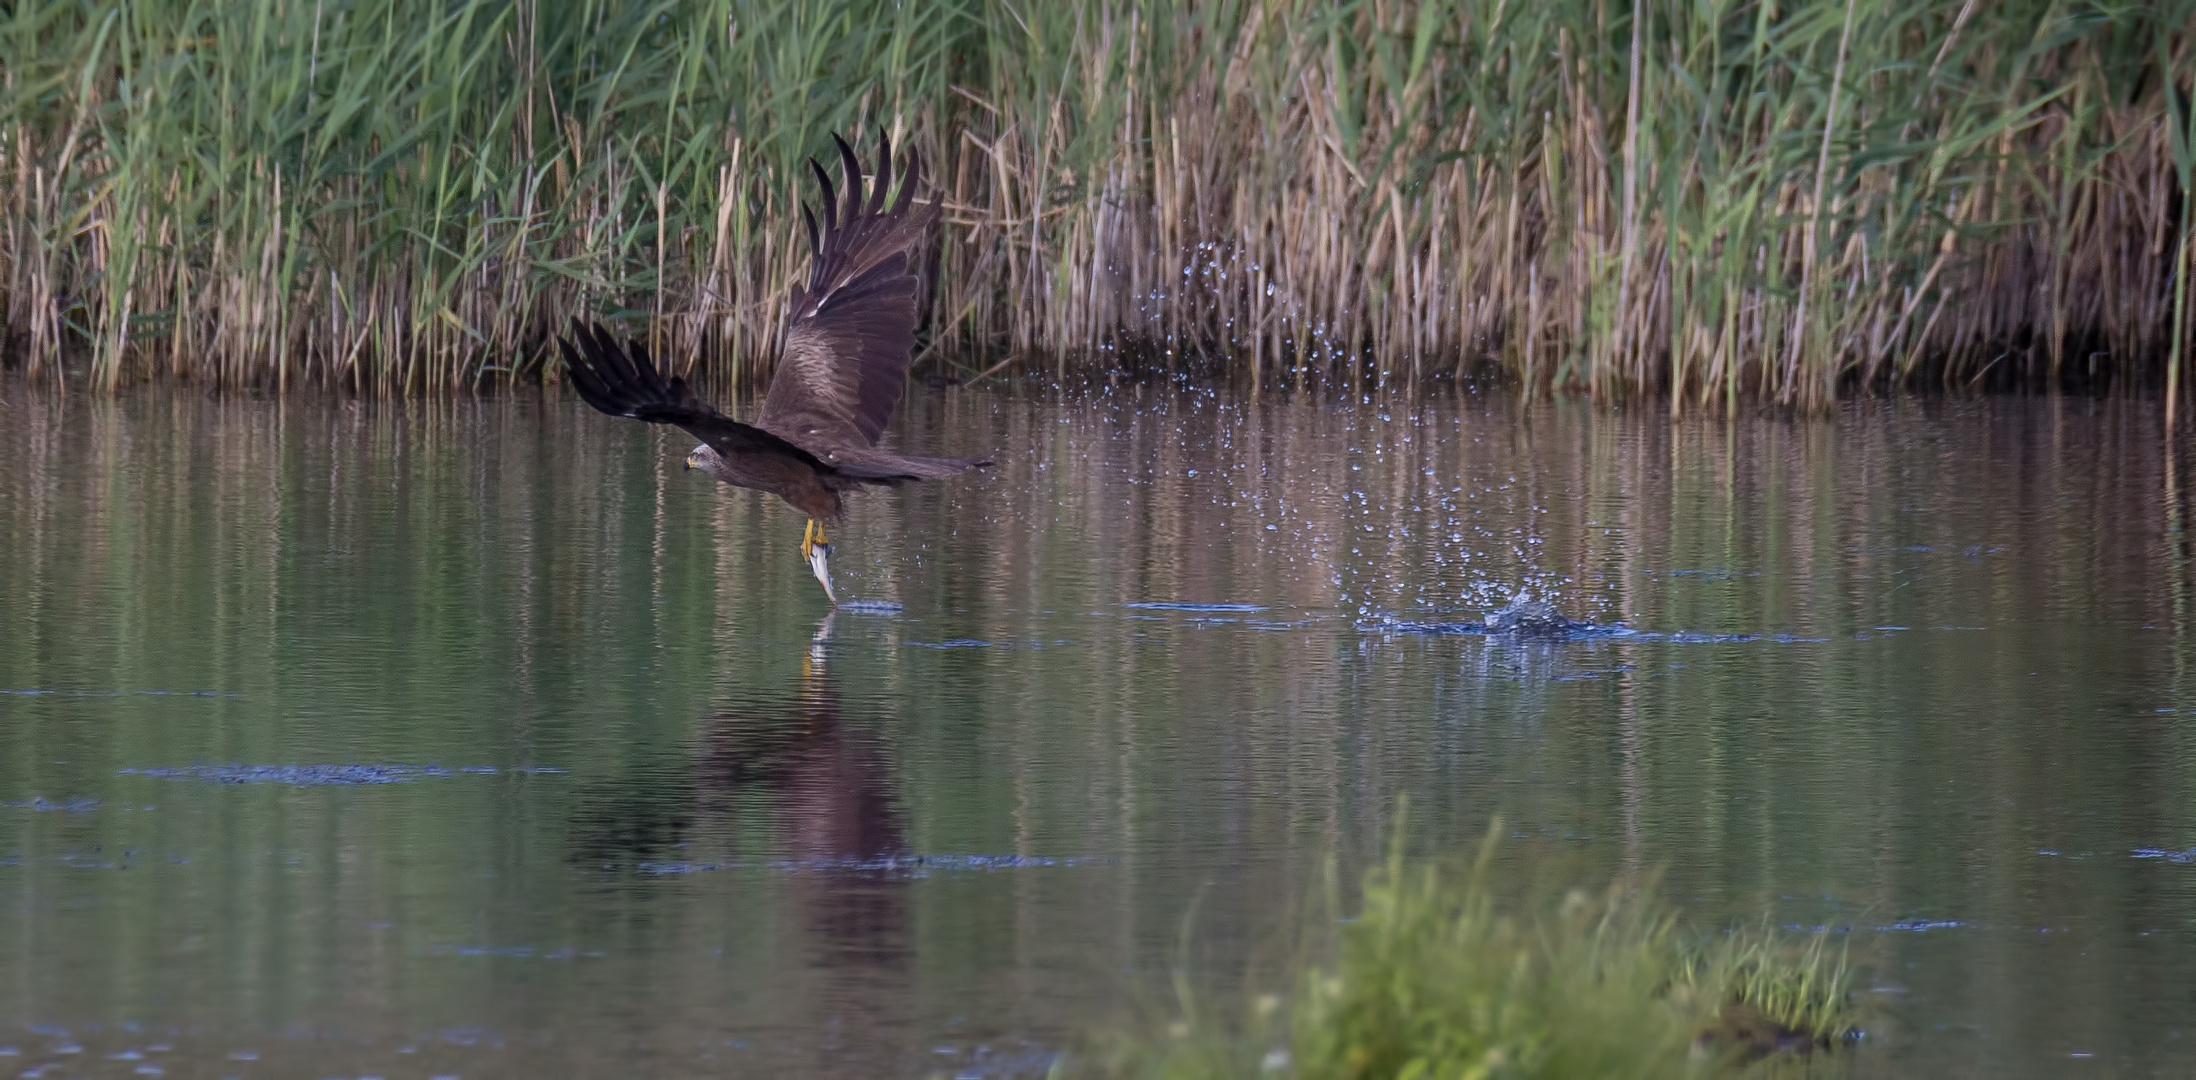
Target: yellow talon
{"type": "Point", "coordinates": [812, 538]}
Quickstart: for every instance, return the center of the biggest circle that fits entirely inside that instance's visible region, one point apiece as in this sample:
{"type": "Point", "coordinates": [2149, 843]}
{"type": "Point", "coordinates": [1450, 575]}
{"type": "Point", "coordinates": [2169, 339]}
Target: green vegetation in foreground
{"type": "Point", "coordinates": [1703, 199]}
{"type": "Point", "coordinates": [1439, 978]}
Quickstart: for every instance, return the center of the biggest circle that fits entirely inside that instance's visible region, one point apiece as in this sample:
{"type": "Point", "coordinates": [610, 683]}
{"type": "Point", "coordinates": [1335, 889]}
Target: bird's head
{"type": "Point", "coordinates": [698, 457]}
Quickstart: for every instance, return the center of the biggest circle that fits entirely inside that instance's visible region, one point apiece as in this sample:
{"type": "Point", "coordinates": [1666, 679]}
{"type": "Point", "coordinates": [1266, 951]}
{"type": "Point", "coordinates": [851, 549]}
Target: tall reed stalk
{"type": "Point", "coordinates": [1787, 199]}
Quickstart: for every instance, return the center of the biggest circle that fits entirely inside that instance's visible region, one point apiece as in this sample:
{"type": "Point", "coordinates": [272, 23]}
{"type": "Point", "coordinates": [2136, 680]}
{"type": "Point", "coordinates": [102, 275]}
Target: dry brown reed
{"type": "Point", "coordinates": [1705, 201]}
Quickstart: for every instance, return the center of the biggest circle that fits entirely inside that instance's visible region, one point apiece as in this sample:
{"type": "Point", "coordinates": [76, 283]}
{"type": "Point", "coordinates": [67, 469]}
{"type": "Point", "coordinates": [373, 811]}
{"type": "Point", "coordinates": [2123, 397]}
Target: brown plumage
{"type": "Point", "coordinates": [848, 343]}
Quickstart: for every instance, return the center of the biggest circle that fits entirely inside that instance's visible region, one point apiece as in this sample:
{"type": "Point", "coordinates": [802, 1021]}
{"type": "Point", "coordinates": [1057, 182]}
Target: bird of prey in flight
{"type": "Point", "coordinates": [848, 343]}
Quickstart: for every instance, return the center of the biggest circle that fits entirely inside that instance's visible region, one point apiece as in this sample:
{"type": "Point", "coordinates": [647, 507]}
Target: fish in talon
{"type": "Point", "coordinates": [819, 563]}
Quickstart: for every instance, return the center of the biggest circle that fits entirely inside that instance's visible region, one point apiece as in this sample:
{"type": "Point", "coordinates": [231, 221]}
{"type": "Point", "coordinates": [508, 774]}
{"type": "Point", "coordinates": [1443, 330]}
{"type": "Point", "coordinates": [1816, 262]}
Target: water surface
{"type": "Point", "coordinates": [480, 739]}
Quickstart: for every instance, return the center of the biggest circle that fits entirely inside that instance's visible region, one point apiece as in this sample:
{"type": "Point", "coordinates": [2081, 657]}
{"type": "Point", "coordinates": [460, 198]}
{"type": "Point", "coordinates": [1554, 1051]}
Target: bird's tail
{"type": "Point", "coordinates": [881, 468]}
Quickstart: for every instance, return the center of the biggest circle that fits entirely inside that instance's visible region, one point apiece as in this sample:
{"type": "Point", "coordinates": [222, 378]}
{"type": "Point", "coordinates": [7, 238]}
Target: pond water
{"type": "Point", "coordinates": [479, 739]}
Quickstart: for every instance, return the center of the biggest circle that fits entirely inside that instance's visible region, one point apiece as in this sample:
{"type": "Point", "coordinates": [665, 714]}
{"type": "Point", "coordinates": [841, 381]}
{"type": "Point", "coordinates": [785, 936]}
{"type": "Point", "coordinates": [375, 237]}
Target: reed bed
{"type": "Point", "coordinates": [1698, 201]}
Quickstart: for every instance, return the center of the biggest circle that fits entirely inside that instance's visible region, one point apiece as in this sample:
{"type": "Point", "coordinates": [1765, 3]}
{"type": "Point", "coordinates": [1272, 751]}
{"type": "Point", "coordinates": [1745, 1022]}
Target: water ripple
{"type": "Point", "coordinates": [76, 805]}
{"type": "Point", "coordinates": [34, 692]}
{"type": "Point", "coordinates": [1171, 605]}
{"type": "Point", "coordinates": [322, 775]}
{"type": "Point", "coordinates": [912, 865]}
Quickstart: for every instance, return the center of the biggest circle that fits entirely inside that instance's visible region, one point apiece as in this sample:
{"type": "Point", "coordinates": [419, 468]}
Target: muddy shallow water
{"type": "Point", "coordinates": [479, 740]}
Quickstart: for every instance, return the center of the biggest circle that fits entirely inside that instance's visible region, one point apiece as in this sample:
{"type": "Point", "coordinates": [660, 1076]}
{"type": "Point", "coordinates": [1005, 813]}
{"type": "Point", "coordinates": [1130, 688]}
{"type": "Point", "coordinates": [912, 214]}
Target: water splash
{"type": "Point", "coordinates": [1527, 618]}
{"type": "Point", "coordinates": [870, 607]}
{"type": "Point", "coordinates": [1524, 618]}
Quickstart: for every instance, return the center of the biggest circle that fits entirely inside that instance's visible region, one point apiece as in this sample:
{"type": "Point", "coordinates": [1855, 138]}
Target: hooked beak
{"type": "Point", "coordinates": [690, 466]}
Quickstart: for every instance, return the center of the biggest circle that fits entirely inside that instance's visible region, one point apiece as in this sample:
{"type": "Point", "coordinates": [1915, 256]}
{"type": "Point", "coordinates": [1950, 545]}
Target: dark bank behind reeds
{"type": "Point", "coordinates": [1783, 199]}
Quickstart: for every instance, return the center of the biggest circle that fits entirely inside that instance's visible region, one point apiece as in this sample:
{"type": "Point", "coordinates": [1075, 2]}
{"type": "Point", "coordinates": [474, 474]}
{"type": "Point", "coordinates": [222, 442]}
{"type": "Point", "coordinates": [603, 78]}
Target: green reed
{"type": "Point", "coordinates": [1440, 975]}
{"type": "Point", "coordinates": [1702, 200]}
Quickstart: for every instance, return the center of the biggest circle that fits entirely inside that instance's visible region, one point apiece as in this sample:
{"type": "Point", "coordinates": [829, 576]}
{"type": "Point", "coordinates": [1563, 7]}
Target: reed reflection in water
{"type": "Point", "coordinates": [1920, 671]}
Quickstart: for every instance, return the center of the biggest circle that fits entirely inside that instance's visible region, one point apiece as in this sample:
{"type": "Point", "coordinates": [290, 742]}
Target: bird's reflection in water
{"type": "Point", "coordinates": [835, 819]}
{"type": "Point", "coordinates": [797, 802]}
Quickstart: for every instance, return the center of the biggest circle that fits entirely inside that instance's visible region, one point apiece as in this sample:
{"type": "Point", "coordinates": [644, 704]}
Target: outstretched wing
{"type": "Point", "coordinates": [620, 380]}
{"type": "Point", "coordinates": [852, 330]}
